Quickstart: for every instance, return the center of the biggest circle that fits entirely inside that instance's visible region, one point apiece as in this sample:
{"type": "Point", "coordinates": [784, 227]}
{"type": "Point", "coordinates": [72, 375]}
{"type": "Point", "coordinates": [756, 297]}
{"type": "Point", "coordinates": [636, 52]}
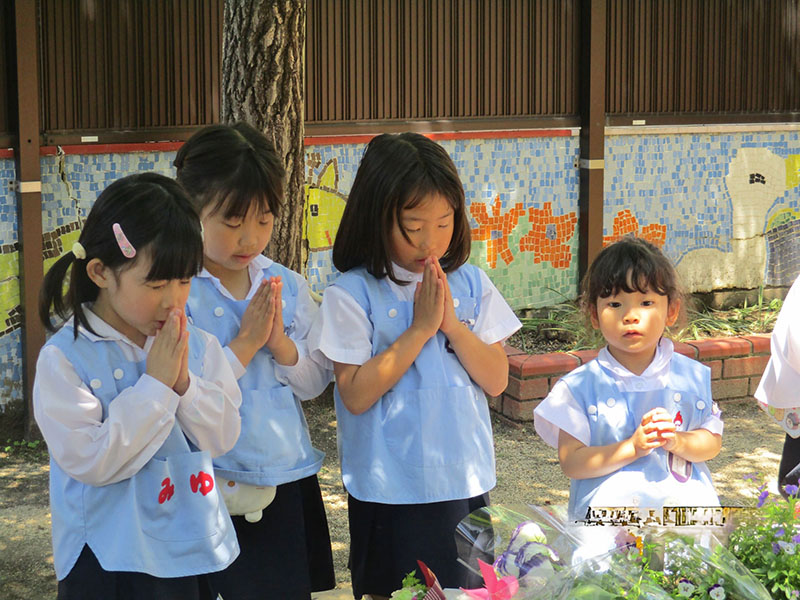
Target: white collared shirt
{"type": "Point", "coordinates": [100, 452]}
{"type": "Point", "coordinates": [565, 412]}
{"type": "Point", "coordinates": [306, 378]}
{"type": "Point", "coordinates": [344, 332]}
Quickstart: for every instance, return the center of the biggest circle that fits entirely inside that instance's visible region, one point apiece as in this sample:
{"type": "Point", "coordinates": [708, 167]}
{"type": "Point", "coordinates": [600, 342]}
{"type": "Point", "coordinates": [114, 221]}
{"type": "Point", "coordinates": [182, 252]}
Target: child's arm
{"type": "Point", "coordinates": [307, 378]}
{"type": "Point", "coordinates": [487, 364]}
{"type": "Point", "coordinates": [579, 461]}
{"type": "Point", "coordinates": [90, 448]}
{"type": "Point", "coordinates": [360, 386]}
{"type": "Point", "coordinates": [208, 411]}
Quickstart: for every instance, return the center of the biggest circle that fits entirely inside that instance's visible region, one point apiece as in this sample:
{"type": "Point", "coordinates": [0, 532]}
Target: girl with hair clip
{"type": "Point", "coordinates": [415, 337]}
{"type": "Point", "coordinates": [261, 312]}
{"type": "Point", "coordinates": [635, 426]}
{"type": "Point", "coordinates": [133, 402]}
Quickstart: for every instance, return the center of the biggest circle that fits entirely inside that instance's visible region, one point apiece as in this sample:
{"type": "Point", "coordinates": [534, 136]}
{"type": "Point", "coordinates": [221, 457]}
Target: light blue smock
{"type": "Point", "coordinates": [660, 477]}
{"type": "Point", "coordinates": [274, 446]}
{"type": "Point", "coordinates": [429, 439]}
{"type": "Point", "coordinates": [168, 520]}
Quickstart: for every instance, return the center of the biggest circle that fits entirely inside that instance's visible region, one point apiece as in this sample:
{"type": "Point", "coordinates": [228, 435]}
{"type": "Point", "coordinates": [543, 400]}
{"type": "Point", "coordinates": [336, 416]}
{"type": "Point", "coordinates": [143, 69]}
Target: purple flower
{"type": "Point", "coordinates": [791, 490]}
{"type": "Point", "coordinates": [762, 497]}
{"type": "Point", "coordinates": [779, 532]}
{"type": "Point", "coordinates": [775, 548]}
{"type": "Point", "coordinates": [750, 476]}
{"type": "Point", "coordinates": [796, 538]}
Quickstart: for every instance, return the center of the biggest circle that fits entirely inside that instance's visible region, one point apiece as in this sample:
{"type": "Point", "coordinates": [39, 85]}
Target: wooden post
{"type": "Point", "coordinates": [29, 197]}
{"type": "Point", "coordinates": [593, 117]}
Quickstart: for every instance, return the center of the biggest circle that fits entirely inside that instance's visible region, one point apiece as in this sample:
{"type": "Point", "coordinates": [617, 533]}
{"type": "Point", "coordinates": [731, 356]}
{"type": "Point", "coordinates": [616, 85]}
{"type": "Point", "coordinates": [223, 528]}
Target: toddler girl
{"type": "Point", "coordinates": [261, 312]}
{"type": "Point", "coordinates": [635, 426]}
{"type": "Point", "coordinates": [415, 337]}
{"type": "Point", "coordinates": [133, 402]}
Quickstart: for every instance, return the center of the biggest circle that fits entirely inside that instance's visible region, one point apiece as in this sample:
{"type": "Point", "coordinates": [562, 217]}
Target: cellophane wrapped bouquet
{"type": "Point", "coordinates": [550, 558]}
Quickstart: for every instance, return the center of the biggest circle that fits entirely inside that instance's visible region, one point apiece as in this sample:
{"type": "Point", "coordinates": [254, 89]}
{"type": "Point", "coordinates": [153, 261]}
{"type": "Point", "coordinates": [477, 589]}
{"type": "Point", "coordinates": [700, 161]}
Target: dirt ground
{"type": "Point", "coordinates": [527, 472]}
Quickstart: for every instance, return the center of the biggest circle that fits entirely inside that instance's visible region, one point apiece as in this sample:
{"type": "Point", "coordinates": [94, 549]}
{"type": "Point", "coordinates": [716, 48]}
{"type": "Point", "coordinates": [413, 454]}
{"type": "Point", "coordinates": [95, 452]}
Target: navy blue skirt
{"type": "Point", "coordinates": [287, 554]}
{"type": "Point", "coordinates": [386, 540]}
{"type": "Point", "coordinates": [89, 581]}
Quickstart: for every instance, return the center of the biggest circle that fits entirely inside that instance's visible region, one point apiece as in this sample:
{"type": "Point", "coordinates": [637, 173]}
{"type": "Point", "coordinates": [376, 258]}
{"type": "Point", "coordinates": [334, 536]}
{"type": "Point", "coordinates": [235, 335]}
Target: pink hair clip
{"type": "Point", "coordinates": [128, 251]}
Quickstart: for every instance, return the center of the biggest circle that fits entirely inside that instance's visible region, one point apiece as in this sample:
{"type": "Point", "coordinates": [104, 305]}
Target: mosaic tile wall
{"type": "Point", "coordinates": [723, 206]}
{"type": "Point", "coordinates": [10, 339]}
{"type": "Point", "coordinates": [522, 197]}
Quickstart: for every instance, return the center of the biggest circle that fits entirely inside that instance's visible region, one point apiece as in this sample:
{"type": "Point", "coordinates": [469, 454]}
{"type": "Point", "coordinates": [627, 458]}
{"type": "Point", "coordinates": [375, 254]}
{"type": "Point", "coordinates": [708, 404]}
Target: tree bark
{"type": "Point", "coordinates": [262, 83]}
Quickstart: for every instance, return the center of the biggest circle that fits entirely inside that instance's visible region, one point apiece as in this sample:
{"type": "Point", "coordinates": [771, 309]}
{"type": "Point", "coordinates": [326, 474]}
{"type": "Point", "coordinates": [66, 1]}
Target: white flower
{"type": "Point", "coordinates": [788, 547]}
{"type": "Point", "coordinates": [716, 592]}
{"type": "Point", "coordinates": [685, 588]}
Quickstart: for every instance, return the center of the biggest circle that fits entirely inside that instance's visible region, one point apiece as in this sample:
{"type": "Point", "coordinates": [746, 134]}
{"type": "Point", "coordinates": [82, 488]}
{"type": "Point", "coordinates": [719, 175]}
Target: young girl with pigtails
{"type": "Point", "coordinates": [133, 403]}
{"type": "Point", "coordinates": [415, 337]}
{"type": "Point", "coordinates": [261, 312]}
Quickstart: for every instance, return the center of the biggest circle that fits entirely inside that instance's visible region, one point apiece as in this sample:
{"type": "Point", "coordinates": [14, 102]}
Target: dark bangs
{"type": "Point", "coordinates": [250, 186]}
{"type": "Point", "coordinates": [177, 252]}
{"type": "Point", "coordinates": [630, 265]}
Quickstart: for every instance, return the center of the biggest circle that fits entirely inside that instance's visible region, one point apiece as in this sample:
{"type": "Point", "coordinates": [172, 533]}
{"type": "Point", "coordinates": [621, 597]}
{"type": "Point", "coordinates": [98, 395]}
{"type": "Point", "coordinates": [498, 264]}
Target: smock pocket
{"type": "Point", "coordinates": [436, 427]}
{"type": "Point", "coordinates": [274, 433]}
{"type": "Point", "coordinates": [177, 498]}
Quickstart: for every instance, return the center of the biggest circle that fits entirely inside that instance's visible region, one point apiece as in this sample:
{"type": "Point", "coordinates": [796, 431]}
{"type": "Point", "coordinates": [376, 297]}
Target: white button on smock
{"type": "Point", "coordinates": [611, 402]}
{"type": "Point", "coordinates": [676, 397]}
{"type": "Point", "coordinates": [592, 410]}
{"type": "Point", "coordinates": [96, 384]}
{"type": "Point", "coordinates": [456, 302]}
{"type": "Point", "coordinates": [392, 313]}
{"type": "Point", "coordinates": [700, 405]}
{"type": "Point", "coordinates": [118, 374]}
{"type": "Point", "coordinates": [219, 311]}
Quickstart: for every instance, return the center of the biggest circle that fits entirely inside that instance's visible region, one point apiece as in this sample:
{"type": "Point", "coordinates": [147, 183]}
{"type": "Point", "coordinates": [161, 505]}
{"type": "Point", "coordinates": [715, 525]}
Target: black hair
{"type": "Point", "coordinates": [155, 215]}
{"type": "Point", "coordinates": [628, 265]}
{"type": "Point", "coordinates": [397, 172]}
{"type": "Point", "coordinates": [231, 167]}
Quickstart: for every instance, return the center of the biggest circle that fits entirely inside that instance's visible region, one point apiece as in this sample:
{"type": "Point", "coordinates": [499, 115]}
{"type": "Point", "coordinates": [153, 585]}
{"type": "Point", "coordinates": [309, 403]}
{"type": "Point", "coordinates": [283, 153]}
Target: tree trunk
{"type": "Point", "coordinates": [262, 83]}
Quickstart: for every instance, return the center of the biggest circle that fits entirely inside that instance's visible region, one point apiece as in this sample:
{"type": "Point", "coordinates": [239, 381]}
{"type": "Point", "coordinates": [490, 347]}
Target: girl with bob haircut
{"type": "Point", "coordinates": [415, 338]}
{"type": "Point", "coordinates": [634, 426]}
{"type": "Point", "coordinates": [261, 312]}
{"type": "Point", "coordinates": [133, 402]}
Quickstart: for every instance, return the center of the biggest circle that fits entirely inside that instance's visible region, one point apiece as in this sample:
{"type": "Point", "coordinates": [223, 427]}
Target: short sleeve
{"type": "Point", "coordinates": [342, 331]}
{"type": "Point", "coordinates": [560, 411]}
{"type": "Point", "coordinates": [781, 379]}
{"type": "Point", "coordinates": [496, 321]}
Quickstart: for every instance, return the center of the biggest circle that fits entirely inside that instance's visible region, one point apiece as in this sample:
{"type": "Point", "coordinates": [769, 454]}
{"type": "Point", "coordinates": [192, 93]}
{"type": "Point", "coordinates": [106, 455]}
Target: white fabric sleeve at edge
{"type": "Point", "coordinates": [307, 378]}
{"type": "Point", "coordinates": [560, 411]}
{"type": "Point", "coordinates": [234, 362]}
{"type": "Point", "coordinates": [342, 332]}
{"type": "Point", "coordinates": [496, 321]}
{"type": "Point", "coordinates": [209, 411]}
{"type": "Point", "coordinates": [92, 450]}
{"type": "Point", "coordinates": [713, 424]}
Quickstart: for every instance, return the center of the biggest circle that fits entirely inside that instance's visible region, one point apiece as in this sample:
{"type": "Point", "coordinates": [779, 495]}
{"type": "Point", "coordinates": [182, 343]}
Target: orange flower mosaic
{"type": "Point", "coordinates": [625, 223]}
{"type": "Point", "coordinates": [496, 223]}
{"type": "Point", "coordinates": [548, 236]}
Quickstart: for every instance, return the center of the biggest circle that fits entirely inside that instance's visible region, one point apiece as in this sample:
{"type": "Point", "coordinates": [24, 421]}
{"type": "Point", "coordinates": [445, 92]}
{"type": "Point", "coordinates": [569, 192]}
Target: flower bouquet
{"type": "Point", "coordinates": [767, 541]}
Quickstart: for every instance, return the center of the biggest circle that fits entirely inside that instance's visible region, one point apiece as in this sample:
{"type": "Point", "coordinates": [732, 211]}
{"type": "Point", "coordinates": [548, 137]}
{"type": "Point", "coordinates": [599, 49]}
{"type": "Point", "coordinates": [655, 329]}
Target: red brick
{"type": "Point", "coordinates": [754, 385]}
{"type": "Point", "coordinates": [747, 365]}
{"type": "Point", "coordinates": [515, 363]}
{"type": "Point", "coordinates": [730, 388]}
{"type": "Point", "coordinates": [519, 411]}
{"type": "Point", "coordinates": [760, 342]}
{"type": "Point", "coordinates": [685, 349]}
{"type": "Point", "coordinates": [716, 368]}
{"type": "Point", "coordinates": [512, 351]}
{"type": "Point", "coordinates": [527, 389]}
{"type": "Point", "coordinates": [721, 347]}
{"type": "Point", "coordinates": [495, 403]}
{"type": "Point", "coordinates": [552, 363]}
{"type": "Point", "coordinates": [585, 355]}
